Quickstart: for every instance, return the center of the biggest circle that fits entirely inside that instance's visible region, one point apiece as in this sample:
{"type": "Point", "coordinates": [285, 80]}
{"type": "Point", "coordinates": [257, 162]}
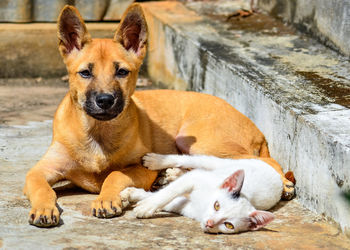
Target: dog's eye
{"type": "Point", "coordinates": [122, 73]}
{"type": "Point", "coordinates": [85, 74]}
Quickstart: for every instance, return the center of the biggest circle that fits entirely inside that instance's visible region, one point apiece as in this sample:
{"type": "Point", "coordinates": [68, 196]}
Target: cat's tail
{"type": "Point", "coordinates": [264, 153]}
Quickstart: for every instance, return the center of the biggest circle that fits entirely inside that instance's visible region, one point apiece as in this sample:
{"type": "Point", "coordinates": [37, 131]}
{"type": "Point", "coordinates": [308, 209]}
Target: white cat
{"type": "Point", "coordinates": [224, 194]}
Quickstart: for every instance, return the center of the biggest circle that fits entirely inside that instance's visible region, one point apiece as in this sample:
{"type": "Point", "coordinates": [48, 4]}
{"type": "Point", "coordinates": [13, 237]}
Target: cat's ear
{"type": "Point", "coordinates": [259, 219]}
{"type": "Point", "coordinates": [234, 183]}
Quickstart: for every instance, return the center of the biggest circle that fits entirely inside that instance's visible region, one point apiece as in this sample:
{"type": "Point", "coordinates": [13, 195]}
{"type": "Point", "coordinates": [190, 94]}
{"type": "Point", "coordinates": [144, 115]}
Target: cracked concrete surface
{"type": "Point", "coordinates": [22, 143]}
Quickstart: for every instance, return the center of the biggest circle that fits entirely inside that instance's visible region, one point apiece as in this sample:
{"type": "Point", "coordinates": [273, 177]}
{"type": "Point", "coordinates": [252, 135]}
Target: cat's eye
{"type": "Point", "coordinates": [216, 206]}
{"type": "Point", "coordinates": [85, 74]}
{"type": "Point", "coordinates": [229, 225]}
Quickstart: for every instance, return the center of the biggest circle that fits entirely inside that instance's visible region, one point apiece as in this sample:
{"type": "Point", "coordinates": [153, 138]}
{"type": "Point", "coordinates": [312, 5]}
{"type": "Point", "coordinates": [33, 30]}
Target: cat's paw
{"type": "Point", "coordinates": [170, 175]}
{"type": "Point", "coordinates": [132, 194]}
{"type": "Point", "coordinates": [145, 208]}
{"type": "Point", "coordinates": [124, 196]}
{"type": "Point", "coordinates": [155, 161]}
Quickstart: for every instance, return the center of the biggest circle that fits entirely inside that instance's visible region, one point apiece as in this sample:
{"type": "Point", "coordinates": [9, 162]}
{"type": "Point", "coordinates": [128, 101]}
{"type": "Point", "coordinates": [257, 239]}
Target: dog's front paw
{"type": "Point", "coordinates": [106, 207]}
{"type": "Point", "coordinates": [145, 208]}
{"type": "Point", "coordinates": [45, 216]}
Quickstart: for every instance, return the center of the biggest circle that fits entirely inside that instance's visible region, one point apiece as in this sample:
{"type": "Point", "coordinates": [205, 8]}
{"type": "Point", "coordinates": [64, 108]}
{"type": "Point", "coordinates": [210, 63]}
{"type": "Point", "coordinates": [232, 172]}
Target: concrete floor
{"type": "Point", "coordinates": [25, 133]}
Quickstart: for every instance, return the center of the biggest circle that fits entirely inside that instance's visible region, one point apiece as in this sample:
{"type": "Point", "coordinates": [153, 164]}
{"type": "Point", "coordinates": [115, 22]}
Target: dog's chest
{"type": "Point", "coordinates": [94, 157]}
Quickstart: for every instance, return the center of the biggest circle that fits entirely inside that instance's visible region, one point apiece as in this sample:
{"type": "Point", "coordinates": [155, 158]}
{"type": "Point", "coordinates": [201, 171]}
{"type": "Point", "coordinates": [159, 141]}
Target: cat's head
{"type": "Point", "coordinates": [229, 212]}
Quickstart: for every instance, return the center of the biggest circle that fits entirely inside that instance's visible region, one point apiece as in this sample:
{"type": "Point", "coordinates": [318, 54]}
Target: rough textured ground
{"type": "Point", "coordinates": [20, 104]}
{"type": "Point", "coordinates": [23, 142]}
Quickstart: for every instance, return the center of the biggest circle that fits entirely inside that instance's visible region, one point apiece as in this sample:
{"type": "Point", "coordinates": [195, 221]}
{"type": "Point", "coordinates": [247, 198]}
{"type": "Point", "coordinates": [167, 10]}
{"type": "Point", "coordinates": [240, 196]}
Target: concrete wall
{"type": "Point", "coordinates": [329, 20]}
{"type": "Point", "coordinates": [31, 50]}
{"type": "Point", "coordinates": [20, 11]}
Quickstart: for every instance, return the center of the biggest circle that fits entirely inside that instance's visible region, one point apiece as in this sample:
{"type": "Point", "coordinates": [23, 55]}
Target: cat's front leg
{"type": "Point", "coordinates": [147, 207]}
{"type": "Point", "coordinates": [158, 162]}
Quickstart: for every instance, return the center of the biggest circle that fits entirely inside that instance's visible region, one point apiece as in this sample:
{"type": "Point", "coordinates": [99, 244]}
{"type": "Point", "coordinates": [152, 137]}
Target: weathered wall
{"type": "Point", "coordinates": [31, 50]}
{"type": "Point", "coordinates": [329, 20]}
{"type": "Point", "coordinates": [20, 11]}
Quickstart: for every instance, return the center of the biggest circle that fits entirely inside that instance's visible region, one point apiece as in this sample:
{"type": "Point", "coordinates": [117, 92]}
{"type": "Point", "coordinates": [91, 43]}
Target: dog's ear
{"type": "Point", "coordinates": [72, 32]}
{"type": "Point", "coordinates": [132, 31]}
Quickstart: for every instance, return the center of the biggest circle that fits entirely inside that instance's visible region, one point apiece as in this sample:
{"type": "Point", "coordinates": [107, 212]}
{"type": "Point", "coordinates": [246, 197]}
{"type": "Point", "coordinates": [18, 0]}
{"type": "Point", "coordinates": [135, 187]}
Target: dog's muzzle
{"type": "Point", "coordinates": [104, 106]}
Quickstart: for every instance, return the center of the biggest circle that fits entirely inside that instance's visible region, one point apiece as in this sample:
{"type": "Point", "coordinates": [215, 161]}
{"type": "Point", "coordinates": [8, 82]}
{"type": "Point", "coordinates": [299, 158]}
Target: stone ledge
{"type": "Point", "coordinates": [328, 20]}
{"type": "Point", "coordinates": [31, 50]}
{"type": "Point", "coordinates": [20, 11]}
{"type": "Point", "coordinates": [293, 88]}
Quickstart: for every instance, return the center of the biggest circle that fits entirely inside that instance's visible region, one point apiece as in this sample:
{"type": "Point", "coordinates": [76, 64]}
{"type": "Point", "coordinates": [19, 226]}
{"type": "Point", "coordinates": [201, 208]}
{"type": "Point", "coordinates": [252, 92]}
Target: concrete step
{"type": "Point", "coordinates": [30, 50]}
{"type": "Point", "coordinates": [24, 138]}
{"type": "Point", "coordinates": [327, 20]}
{"type": "Point", "coordinates": [296, 91]}
{"type": "Point", "coordinates": [20, 11]}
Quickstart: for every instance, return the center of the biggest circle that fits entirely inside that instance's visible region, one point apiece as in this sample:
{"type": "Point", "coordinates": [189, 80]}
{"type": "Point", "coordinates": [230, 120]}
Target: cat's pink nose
{"type": "Point", "coordinates": [210, 223]}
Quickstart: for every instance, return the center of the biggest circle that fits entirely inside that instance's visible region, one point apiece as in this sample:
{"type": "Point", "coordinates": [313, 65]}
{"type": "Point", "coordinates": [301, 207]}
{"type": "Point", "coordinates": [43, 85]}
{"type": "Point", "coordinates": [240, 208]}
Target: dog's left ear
{"type": "Point", "coordinates": [72, 32]}
{"type": "Point", "coordinates": [132, 32]}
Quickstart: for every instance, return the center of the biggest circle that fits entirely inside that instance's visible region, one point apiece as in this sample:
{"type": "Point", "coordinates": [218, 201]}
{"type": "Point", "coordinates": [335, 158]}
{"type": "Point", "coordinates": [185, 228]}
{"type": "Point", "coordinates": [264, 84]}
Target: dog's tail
{"type": "Point", "coordinates": [290, 177]}
{"type": "Point", "coordinates": [264, 153]}
{"type": "Point", "coordinates": [264, 150]}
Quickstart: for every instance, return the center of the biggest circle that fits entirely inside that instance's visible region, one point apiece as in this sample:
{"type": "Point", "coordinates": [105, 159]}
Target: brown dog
{"type": "Point", "coordinates": [102, 128]}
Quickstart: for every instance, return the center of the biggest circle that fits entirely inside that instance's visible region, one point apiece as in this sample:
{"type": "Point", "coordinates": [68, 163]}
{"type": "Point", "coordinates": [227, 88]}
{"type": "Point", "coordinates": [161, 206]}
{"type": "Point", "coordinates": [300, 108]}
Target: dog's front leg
{"type": "Point", "coordinates": [108, 204]}
{"type": "Point", "coordinates": [39, 179]}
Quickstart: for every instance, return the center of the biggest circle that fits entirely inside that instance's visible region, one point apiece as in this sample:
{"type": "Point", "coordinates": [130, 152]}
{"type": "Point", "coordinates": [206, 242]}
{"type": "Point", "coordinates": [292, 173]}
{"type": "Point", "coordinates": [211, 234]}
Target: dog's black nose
{"type": "Point", "coordinates": [104, 101]}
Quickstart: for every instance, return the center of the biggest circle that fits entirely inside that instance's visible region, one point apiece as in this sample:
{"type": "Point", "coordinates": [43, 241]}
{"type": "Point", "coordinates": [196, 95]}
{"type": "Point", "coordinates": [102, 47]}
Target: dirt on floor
{"type": "Point", "coordinates": [20, 104]}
